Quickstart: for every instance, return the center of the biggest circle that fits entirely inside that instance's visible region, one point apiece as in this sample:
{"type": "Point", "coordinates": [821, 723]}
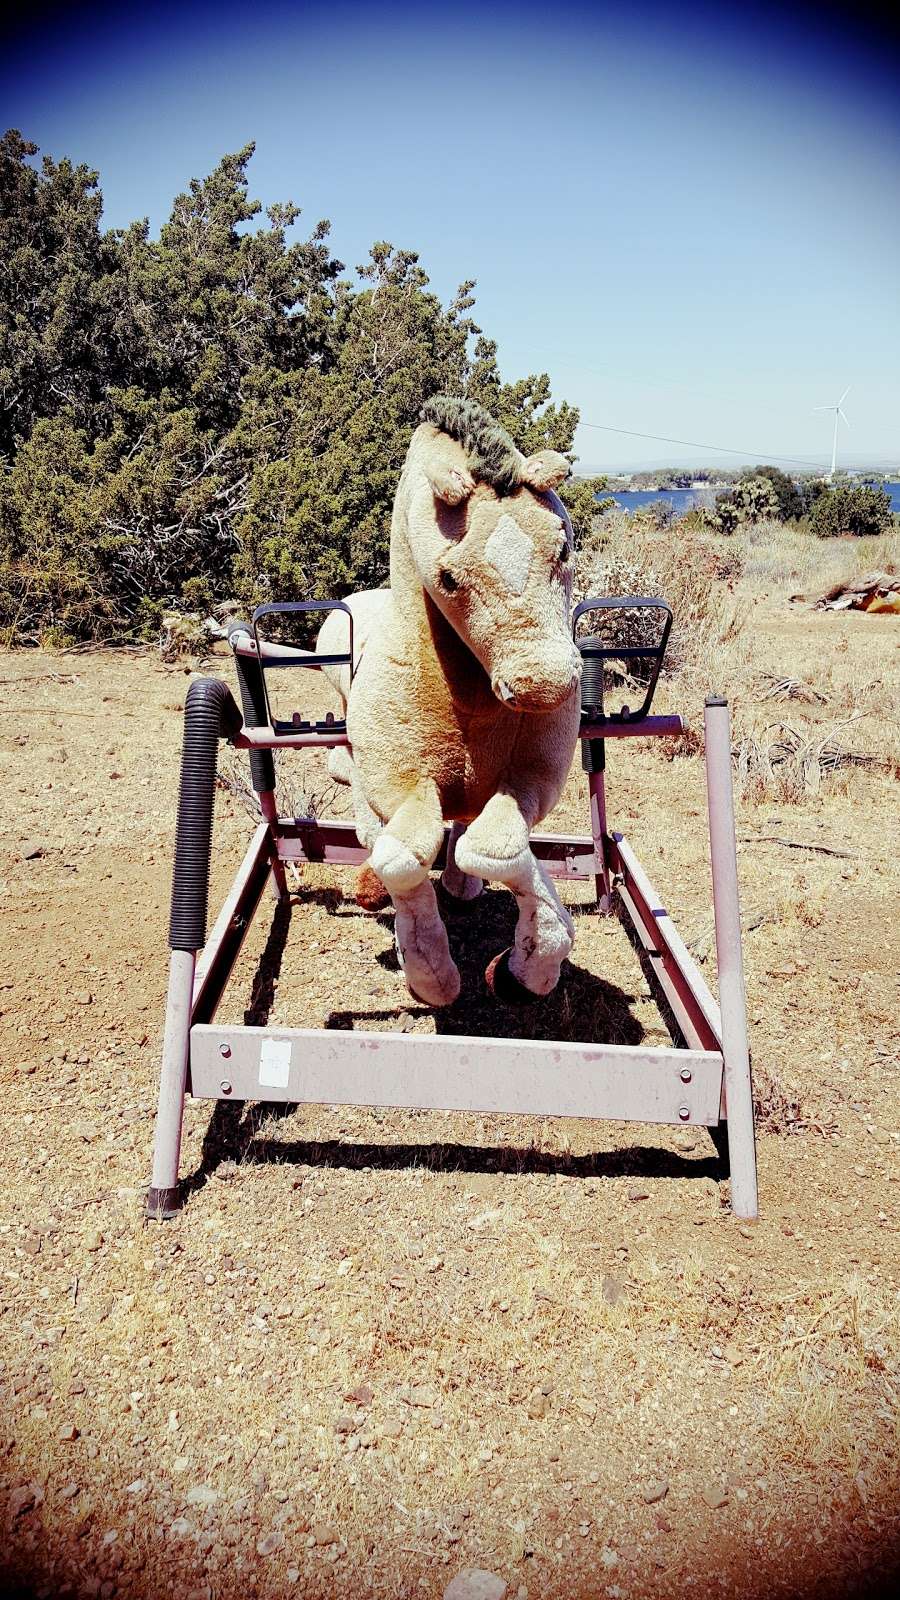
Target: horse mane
{"type": "Point", "coordinates": [491, 455]}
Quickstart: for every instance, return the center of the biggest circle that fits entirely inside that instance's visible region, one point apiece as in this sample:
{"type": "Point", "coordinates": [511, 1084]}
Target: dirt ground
{"type": "Point", "coordinates": [378, 1348]}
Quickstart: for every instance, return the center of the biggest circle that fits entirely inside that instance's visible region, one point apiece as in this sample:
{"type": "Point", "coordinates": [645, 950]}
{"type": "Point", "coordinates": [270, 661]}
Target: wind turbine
{"type": "Point", "coordinates": [837, 413]}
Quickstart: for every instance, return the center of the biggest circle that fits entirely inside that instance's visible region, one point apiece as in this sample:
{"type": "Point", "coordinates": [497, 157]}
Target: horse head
{"type": "Point", "coordinates": [492, 546]}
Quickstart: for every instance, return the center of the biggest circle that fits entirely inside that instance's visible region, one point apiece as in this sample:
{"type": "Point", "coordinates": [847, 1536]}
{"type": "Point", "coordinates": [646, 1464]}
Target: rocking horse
{"type": "Point", "coordinates": [461, 687]}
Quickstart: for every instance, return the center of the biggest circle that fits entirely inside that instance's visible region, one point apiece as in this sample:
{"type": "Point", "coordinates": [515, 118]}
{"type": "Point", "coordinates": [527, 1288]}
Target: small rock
{"type": "Point", "coordinates": [324, 1534]}
{"type": "Point", "coordinates": [474, 1583]}
{"type": "Point", "coordinates": [68, 1491]}
{"type": "Point", "coordinates": [292, 1574]}
{"type": "Point", "coordinates": [76, 1386]}
{"type": "Point", "coordinates": [269, 1543]}
{"type": "Point", "coordinates": [538, 1406]}
{"type": "Point", "coordinates": [137, 1486]}
{"type": "Point", "coordinates": [31, 850]}
{"type": "Point", "coordinates": [716, 1496]}
{"type": "Point", "coordinates": [638, 1191]}
{"type": "Point", "coordinates": [68, 1433]}
{"type": "Point", "coordinates": [180, 1528]}
{"type": "Point", "coordinates": [652, 1492]}
{"type": "Point", "coordinates": [391, 1429]}
{"type": "Point", "coordinates": [82, 997]}
{"type": "Point", "coordinates": [418, 1394]}
{"type": "Point", "coordinates": [200, 1494]}
{"type": "Point", "coordinates": [94, 1241]}
{"type": "Point", "coordinates": [344, 1425]}
{"type": "Point", "coordinates": [24, 1499]}
{"type": "Point", "coordinates": [361, 1395]}
{"type": "Point", "coordinates": [612, 1290]}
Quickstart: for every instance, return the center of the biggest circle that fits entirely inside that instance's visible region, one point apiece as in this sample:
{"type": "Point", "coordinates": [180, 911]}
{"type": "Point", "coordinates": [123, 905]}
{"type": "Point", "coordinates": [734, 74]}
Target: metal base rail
{"type": "Point", "coordinates": [708, 1083]}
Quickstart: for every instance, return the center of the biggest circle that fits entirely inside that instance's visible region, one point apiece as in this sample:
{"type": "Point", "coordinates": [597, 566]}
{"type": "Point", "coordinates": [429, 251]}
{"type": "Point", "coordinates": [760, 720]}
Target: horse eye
{"type": "Point", "coordinates": [447, 581]}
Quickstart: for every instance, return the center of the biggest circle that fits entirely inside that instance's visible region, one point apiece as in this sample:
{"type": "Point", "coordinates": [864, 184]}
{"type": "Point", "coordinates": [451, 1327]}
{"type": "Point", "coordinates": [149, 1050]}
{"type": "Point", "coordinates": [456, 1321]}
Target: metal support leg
{"type": "Point", "coordinates": [269, 808]}
{"type": "Point", "coordinates": [162, 1199]}
{"type": "Point", "coordinates": [593, 760]}
{"type": "Point", "coordinates": [732, 998]}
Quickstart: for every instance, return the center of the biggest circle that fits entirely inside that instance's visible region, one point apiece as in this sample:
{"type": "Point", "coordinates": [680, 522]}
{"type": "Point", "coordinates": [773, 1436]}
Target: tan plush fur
{"type": "Point", "coordinates": [465, 703]}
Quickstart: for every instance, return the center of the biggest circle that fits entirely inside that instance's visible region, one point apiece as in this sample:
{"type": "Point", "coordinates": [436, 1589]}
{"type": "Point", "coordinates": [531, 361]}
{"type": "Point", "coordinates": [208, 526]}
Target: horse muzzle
{"type": "Point", "coordinates": [539, 691]}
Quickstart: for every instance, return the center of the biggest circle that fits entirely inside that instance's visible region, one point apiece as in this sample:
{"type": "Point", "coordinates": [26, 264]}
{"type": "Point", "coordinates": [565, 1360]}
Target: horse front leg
{"type": "Point", "coordinates": [402, 857]}
{"type": "Point", "coordinates": [496, 846]}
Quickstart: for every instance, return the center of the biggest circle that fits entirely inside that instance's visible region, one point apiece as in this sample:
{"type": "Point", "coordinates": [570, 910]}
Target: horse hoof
{"type": "Point", "coordinates": [371, 895]}
{"type": "Point", "coordinates": [453, 905]}
{"type": "Point", "coordinates": [504, 985]}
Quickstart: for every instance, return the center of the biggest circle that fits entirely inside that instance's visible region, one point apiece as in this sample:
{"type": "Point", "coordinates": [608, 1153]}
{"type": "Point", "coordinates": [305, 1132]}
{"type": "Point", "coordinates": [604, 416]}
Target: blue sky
{"type": "Point", "coordinates": [688, 217]}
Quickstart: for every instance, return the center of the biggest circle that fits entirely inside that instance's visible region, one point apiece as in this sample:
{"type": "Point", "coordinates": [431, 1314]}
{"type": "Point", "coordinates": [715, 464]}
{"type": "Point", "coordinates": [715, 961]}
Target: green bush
{"type": "Point", "coordinates": [749, 500]}
{"type": "Point", "coordinates": [858, 511]}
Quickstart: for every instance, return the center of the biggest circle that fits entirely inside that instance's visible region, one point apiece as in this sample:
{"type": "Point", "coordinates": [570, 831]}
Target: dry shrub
{"type": "Point", "coordinates": [301, 791]}
{"type": "Point", "coordinates": [769, 686]}
{"type": "Point", "coordinates": [691, 569]}
{"type": "Point", "coordinates": [790, 763]}
{"type": "Point", "coordinates": [778, 1105]}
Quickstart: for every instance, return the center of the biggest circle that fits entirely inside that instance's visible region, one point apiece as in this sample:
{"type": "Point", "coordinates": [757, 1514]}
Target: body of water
{"type": "Point", "coordinates": [681, 500]}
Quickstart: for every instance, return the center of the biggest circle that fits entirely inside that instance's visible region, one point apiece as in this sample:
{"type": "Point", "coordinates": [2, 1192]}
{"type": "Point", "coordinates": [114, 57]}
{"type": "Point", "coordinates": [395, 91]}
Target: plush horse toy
{"type": "Point", "coordinates": [465, 703]}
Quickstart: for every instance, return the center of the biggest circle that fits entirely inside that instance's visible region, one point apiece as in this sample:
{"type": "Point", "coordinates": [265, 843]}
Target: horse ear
{"type": "Point", "coordinates": [546, 469]}
{"type": "Point", "coordinates": [443, 461]}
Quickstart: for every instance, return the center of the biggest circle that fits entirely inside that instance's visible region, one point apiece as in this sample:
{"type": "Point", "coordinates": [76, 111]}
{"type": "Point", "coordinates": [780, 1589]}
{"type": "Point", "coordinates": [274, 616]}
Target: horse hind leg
{"type": "Point", "coordinates": [458, 889]}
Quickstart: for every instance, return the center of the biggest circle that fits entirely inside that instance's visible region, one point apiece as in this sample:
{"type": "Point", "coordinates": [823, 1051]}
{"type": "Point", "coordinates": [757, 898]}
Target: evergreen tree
{"type": "Point", "coordinates": [213, 410]}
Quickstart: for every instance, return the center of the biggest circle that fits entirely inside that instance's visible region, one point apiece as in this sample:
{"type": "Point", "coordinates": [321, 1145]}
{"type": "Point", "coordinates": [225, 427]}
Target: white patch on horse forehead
{"type": "Point", "coordinates": [509, 551]}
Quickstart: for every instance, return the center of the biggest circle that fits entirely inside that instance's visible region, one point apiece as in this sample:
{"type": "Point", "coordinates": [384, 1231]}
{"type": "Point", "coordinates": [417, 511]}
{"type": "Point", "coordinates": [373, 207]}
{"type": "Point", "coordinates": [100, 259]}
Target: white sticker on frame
{"type": "Point", "coordinates": [274, 1063]}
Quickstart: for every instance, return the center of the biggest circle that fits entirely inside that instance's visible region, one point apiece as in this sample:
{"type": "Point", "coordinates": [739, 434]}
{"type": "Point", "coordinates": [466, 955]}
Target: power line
{"type": "Point", "coordinates": [691, 444]}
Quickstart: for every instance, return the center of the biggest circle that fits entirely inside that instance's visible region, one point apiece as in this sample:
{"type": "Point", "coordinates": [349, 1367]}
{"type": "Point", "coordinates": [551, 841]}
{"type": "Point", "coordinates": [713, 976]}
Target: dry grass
{"type": "Point", "coordinates": [836, 1355]}
{"type": "Point", "coordinates": [713, 585]}
{"type": "Point", "coordinates": [778, 556]}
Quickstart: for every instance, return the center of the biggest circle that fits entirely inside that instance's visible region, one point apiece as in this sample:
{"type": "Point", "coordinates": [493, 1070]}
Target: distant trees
{"type": "Point", "coordinates": [827, 510]}
{"type": "Point", "coordinates": [214, 411]}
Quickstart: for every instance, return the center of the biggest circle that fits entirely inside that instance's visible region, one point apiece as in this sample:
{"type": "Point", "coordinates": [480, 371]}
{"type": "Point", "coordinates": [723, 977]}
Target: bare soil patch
{"type": "Point", "coordinates": [376, 1348]}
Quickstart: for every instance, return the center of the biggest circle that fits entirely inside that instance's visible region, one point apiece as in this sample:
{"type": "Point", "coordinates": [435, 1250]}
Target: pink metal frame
{"type": "Point", "coordinates": [707, 1083]}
